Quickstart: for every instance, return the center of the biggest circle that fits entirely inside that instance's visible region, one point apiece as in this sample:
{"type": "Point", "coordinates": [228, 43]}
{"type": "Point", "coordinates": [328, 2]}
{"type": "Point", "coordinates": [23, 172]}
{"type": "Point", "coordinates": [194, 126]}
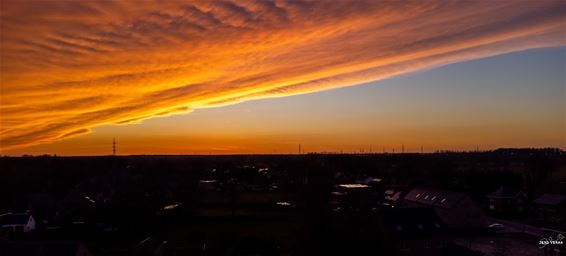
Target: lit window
{"type": "Point", "coordinates": [443, 200]}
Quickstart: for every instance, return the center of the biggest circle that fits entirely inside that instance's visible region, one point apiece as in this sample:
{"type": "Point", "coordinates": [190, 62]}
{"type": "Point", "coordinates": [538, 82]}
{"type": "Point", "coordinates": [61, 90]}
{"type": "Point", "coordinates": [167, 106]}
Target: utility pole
{"type": "Point", "coordinates": [113, 146]}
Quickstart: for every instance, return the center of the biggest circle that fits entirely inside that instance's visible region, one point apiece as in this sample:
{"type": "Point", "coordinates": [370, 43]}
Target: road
{"type": "Point", "coordinates": [512, 226]}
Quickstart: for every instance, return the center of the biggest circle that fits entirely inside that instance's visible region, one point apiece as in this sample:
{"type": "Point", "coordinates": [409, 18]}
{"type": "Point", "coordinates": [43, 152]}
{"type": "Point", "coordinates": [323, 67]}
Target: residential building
{"type": "Point", "coordinates": [414, 231]}
{"type": "Point", "coordinates": [507, 201]}
{"type": "Point", "coordinates": [12, 225]}
{"type": "Point", "coordinates": [455, 209]}
{"type": "Point", "coordinates": [551, 208]}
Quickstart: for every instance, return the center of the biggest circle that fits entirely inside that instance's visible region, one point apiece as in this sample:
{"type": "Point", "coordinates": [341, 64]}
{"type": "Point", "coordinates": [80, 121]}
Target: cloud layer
{"type": "Point", "coordinates": [68, 66]}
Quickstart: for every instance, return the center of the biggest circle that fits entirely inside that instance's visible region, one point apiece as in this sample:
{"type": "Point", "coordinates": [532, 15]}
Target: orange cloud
{"type": "Point", "coordinates": [69, 66]}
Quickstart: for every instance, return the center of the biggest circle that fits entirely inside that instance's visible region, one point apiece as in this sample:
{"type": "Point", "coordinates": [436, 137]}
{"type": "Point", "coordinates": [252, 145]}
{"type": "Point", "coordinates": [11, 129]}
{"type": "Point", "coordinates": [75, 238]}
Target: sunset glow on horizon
{"type": "Point", "coordinates": [216, 76]}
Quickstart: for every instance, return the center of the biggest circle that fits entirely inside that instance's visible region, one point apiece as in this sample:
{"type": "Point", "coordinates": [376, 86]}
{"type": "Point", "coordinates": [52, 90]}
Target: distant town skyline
{"type": "Point", "coordinates": [263, 77]}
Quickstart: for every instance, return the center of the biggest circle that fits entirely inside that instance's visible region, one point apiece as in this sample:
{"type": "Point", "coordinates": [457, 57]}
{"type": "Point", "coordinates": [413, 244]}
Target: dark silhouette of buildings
{"type": "Point", "coordinates": [507, 201]}
{"type": "Point", "coordinates": [456, 209]}
{"type": "Point", "coordinates": [297, 204]}
{"type": "Point", "coordinates": [551, 208]}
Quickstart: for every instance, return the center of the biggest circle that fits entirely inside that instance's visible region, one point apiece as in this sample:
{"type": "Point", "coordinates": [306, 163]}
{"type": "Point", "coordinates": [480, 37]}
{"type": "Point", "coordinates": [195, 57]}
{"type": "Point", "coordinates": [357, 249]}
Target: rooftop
{"type": "Point", "coordinates": [550, 199]}
{"type": "Point", "coordinates": [435, 198]}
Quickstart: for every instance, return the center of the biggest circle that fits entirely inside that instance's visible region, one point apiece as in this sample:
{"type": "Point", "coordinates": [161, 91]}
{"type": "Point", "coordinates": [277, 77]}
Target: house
{"type": "Point", "coordinates": [414, 231]}
{"type": "Point", "coordinates": [354, 197]}
{"type": "Point", "coordinates": [12, 225]}
{"type": "Point", "coordinates": [208, 184]}
{"type": "Point", "coordinates": [49, 248]}
{"type": "Point", "coordinates": [455, 209]}
{"type": "Point", "coordinates": [507, 201]}
{"type": "Point", "coordinates": [551, 208]}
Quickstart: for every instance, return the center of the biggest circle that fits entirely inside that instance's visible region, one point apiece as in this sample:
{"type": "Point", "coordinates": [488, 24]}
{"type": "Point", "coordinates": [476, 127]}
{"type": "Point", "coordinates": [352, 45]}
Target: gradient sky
{"type": "Point", "coordinates": [169, 77]}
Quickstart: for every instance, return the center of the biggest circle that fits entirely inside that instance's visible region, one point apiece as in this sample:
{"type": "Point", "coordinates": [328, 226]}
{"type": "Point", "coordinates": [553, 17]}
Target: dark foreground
{"type": "Point", "coordinates": [502, 202]}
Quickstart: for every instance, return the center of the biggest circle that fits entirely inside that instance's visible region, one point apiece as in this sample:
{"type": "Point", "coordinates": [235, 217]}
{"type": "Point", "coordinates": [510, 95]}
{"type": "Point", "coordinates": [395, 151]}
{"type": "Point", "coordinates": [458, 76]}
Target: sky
{"type": "Point", "coordinates": [265, 76]}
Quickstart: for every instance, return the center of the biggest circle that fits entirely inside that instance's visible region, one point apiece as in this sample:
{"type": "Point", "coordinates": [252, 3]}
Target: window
{"type": "Point", "coordinates": [443, 200]}
{"type": "Point", "coordinates": [418, 195]}
{"type": "Point", "coordinates": [432, 199]}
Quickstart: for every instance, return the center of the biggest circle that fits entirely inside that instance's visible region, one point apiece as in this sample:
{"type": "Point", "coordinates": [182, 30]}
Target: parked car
{"type": "Point", "coordinates": [496, 227]}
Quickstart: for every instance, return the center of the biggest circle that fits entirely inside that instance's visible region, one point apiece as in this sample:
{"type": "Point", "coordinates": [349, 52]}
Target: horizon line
{"type": "Point", "coordinates": [299, 154]}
